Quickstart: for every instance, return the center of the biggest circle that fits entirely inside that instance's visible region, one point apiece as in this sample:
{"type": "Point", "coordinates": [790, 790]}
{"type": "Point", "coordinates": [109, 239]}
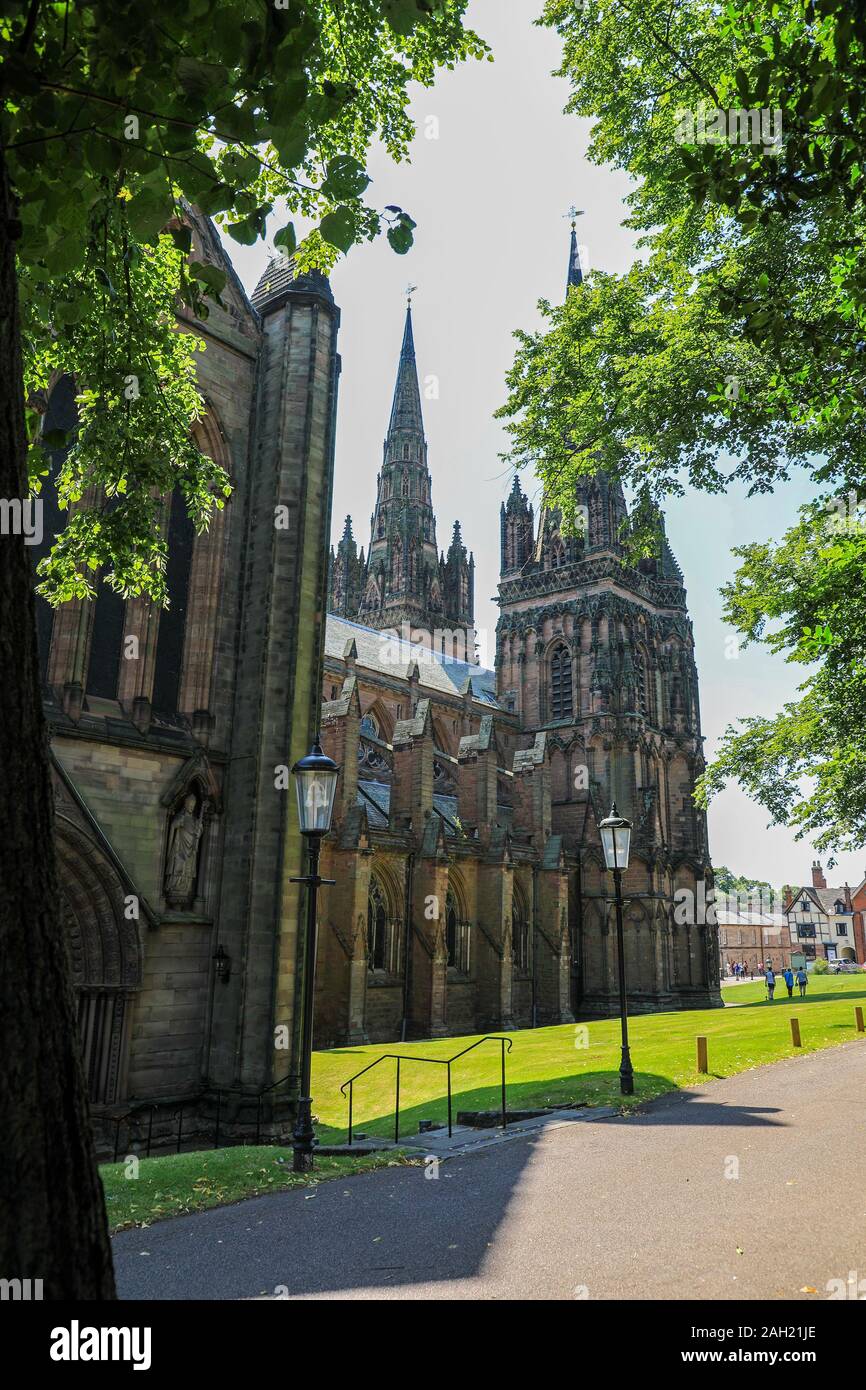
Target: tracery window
{"type": "Point", "coordinates": [456, 936]}
{"type": "Point", "coordinates": [380, 936]}
{"type": "Point", "coordinates": [561, 695]}
{"type": "Point", "coordinates": [520, 941]}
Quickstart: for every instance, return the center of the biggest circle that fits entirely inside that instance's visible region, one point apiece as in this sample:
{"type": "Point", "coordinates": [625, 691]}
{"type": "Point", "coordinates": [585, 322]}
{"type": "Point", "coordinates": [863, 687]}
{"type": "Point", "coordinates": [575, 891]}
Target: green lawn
{"type": "Point", "coordinates": [546, 1068]}
{"type": "Point", "coordinates": [177, 1183]}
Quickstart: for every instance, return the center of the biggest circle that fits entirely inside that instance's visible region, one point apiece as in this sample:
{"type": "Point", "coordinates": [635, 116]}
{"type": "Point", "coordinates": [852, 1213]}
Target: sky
{"type": "Point", "coordinates": [494, 169]}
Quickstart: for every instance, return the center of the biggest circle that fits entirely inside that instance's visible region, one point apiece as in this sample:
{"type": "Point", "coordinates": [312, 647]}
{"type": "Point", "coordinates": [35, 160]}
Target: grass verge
{"type": "Point", "coordinates": [178, 1183]}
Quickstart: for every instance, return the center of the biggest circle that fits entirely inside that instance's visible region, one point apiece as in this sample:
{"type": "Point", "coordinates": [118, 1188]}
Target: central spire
{"type": "Point", "coordinates": [406, 585]}
{"type": "Point", "coordinates": [406, 406]}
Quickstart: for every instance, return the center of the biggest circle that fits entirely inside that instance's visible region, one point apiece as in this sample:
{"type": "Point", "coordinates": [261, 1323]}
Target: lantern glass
{"type": "Point", "coordinates": [316, 786]}
{"type": "Point", "coordinates": [615, 833]}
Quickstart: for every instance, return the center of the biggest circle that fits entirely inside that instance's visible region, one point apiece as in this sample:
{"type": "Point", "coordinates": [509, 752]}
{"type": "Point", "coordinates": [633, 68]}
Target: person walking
{"type": "Point", "coordinates": [770, 979]}
{"type": "Point", "coordinates": [789, 981]}
{"type": "Point", "coordinates": [802, 981]}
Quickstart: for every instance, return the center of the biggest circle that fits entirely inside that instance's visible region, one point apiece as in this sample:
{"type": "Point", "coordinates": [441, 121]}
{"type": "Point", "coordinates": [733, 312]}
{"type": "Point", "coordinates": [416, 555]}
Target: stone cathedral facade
{"type": "Point", "coordinates": [470, 892]}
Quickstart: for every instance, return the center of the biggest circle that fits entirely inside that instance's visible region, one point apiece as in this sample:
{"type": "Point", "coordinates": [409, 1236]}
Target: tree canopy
{"type": "Point", "coordinates": [115, 117]}
{"type": "Point", "coordinates": [733, 348]}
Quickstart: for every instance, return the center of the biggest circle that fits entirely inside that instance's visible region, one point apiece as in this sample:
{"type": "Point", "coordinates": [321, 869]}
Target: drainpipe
{"type": "Point", "coordinates": [407, 946]}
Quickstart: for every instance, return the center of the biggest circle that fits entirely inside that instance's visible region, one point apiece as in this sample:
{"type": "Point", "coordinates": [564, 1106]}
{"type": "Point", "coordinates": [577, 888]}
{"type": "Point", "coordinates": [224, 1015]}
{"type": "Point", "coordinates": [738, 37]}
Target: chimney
{"type": "Point", "coordinates": [818, 879]}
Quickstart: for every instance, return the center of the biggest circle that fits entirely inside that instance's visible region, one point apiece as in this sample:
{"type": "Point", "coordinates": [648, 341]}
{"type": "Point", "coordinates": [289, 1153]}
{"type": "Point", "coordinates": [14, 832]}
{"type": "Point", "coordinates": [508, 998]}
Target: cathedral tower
{"type": "Point", "coordinates": [597, 652]}
{"type": "Point", "coordinates": [405, 585]}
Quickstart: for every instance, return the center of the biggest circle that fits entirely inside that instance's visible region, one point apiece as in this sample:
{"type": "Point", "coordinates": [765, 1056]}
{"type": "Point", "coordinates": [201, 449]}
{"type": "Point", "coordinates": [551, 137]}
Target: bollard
{"type": "Point", "coordinates": [795, 1032]}
{"type": "Point", "coordinates": [703, 1065]}
{"type": "Point", "coordinates": [858, 1014]}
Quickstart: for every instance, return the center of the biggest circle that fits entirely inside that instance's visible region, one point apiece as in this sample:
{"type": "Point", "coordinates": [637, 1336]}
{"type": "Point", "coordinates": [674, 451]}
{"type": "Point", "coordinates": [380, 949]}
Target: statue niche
{"type": "Point", "coordinates": [182, 851]}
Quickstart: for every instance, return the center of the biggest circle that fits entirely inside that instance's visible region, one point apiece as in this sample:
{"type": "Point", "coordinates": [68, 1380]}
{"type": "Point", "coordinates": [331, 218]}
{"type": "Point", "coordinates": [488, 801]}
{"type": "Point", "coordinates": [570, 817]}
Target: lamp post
{"type": "Point", "coordinates": [616, 839]}
{"type": "Point", "coordinates": [315, 783]}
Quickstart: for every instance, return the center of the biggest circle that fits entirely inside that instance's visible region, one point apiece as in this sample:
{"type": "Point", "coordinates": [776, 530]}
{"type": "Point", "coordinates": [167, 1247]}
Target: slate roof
{"type": "Point", "coordinates": [375, 797]}
{"type": "Point", "coordinates": [279, 278]}
{"type": "Point", "coordinates": [389, 655]}
{"type": "Point", "coordinates": [825, 898]}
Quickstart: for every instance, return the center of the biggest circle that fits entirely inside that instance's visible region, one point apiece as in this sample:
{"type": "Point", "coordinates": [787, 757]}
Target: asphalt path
{"type": "Point", "coordinates": [749, 1187]}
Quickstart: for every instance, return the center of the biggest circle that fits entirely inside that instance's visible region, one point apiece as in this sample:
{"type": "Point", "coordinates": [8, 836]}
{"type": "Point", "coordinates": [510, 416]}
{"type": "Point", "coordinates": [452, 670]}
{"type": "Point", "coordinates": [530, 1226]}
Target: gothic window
{"type": "Point", "coordinates": [106, 640]}
{"type": "Point", "coordinates": [520, 947]}
{"type": "Point", "coordinates": [456, 936]}
{"type": "Point", "coordinates": [405, 451]}
{"type": "Point", "coordinates": [561, 697]}
{"type": "Point", "coordinates": [381, 525]}
{"type": "Point", "coordinates": [60, 415]}
{"type": "Point", "coordinates": [172, 620]}
{"type": "Point", "coordinates": [405, 486]}
{"type": "Point", "coordinates": [557, 554]}
{"type": "Point", "coordinates": [378, 933]}
{"type": "Point", "coordinates": [370, 725]}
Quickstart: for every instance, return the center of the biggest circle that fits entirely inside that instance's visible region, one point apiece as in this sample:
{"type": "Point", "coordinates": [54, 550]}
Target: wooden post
{"type": "Point", "coordinates": [703, 1066]}
{"type": "Point", "coordinates": [795, 1032]}
{"type": "Point", "coordinates": [858, 1014]}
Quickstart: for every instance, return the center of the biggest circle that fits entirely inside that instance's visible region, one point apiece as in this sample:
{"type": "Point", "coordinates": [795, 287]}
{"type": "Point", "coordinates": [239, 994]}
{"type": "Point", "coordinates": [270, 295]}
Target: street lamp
{"type": "Point", "coordinates": [315, 783]}
{"type": "Point", "coordinates": [616, 839]}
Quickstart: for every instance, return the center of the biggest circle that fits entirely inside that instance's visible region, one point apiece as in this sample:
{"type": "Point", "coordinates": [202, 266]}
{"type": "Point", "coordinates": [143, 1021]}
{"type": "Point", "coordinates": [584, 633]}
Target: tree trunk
{"type": "Point", "coordinates": [52, 1212]}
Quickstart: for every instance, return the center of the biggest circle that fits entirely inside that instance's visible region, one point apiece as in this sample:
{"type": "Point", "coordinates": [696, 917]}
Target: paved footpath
{"type": "Point", "coordinates": [638, 1207]}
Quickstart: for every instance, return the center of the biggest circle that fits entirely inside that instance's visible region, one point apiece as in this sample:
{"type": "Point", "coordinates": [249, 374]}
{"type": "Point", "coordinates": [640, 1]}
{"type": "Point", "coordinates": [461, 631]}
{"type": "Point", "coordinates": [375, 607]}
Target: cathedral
{"type": "Point", "coordinates": [469, 889]}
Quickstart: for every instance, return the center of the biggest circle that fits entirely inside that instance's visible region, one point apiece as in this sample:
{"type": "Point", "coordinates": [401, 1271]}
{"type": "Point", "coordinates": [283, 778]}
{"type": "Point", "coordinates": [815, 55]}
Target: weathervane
{"type": "Point", "coordinates": [410, 290]}
{"type": "Point", "coordinates": [573, 213]}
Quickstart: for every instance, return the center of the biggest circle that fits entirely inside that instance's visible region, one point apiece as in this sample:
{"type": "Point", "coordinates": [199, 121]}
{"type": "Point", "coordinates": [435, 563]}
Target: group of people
{"type": "Point", "coordinates": [741, 971]}
{"type": "Point", "coordinates": [790, 977]}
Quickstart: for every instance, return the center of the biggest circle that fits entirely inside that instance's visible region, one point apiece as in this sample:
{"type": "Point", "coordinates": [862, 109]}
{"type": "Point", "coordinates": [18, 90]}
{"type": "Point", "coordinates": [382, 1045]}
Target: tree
{"type": "Point", "coordinates": [739, 331]}
{"type": "Point", "coordinates": [802, 596]}
{"type": "Point", "coordinates": [733, 349]}
{"type": "Point", "coordinates": [115, 117]}
{"type": "Point", "coordinates": [737, 886]}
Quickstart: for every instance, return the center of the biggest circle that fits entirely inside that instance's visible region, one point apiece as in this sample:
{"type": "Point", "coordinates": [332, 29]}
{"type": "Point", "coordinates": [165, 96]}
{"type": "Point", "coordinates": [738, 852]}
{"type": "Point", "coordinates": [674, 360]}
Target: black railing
{"type": "Point", "coordinates": [154, 1107]}
{"type": "Point", "coordinates": [398, 1057]}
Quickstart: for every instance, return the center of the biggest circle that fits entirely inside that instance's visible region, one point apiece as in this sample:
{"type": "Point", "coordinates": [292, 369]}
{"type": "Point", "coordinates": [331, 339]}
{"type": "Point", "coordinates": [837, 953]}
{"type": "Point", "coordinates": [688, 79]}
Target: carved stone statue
{"type": "Point", "coordinates": [181, 860]}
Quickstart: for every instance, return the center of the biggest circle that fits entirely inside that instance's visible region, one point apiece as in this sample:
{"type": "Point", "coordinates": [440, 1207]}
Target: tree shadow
{"type": "Point", "coordinates": [428, 1223]}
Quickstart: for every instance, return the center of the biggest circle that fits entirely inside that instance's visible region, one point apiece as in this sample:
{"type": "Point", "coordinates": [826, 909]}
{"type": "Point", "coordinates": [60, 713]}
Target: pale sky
{"type": "Point", "coordinates": [494, 168]}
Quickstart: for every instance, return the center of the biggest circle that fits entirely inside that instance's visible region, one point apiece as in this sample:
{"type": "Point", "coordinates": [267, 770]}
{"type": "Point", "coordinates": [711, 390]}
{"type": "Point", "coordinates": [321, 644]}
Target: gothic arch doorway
{"type": "Point", "coordinates": [105, 955]}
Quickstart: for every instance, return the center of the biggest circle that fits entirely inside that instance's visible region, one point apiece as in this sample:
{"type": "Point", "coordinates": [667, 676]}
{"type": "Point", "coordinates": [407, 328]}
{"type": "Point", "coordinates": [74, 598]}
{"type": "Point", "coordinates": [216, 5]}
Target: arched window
{"type": "Point", "coordinates": [172, 620]}
{"type": "Point", "coordinates": [370, 725]}
{"type": "Point", "coordinates": [456, 936]}
{"type": "Point", "coordinates": [520, 942]}
{"type": "Point", "coordinates": [557, 554]}
{"type": "Point", "coordinates": [377, 928]}
{"type": "Point", "coordinates": [405, 486]}
{"type": "Point", "coordinates": [106, 640]}
{"type": "Point", "coordinates": [61, 414]}
{"type": "Point", "coordinates": [405, 451]}
{"type": "Point", "coordinates": [561, 698]}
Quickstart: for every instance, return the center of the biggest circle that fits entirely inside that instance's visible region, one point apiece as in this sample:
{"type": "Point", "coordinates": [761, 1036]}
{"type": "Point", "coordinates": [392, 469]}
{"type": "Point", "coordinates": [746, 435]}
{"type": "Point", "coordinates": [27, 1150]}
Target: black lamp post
{"type": "Point", "coordinates": [616, 839]}
{"type": "Point", "coordinates": [316, 784]}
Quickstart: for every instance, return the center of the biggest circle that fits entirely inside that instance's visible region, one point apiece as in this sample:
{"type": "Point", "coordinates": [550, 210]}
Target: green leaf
{"type": "Point", "coordinates": [148, 213]}
{"type": "Point", "coordinates": [209, 275]}
{"type": "Point", "coordinates": [345, 177]}
{"type": "Point", "coordinates": [202, 80]}
{"type": "Point", "coordinates": [286, 239]}
{"type": "Point", "coordinates": [338, 228]}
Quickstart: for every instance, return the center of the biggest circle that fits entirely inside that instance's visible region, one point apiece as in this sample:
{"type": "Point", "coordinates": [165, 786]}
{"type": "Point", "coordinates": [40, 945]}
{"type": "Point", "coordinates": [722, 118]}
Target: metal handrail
{"type": "Point", "coordinates": [398, 1057]}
